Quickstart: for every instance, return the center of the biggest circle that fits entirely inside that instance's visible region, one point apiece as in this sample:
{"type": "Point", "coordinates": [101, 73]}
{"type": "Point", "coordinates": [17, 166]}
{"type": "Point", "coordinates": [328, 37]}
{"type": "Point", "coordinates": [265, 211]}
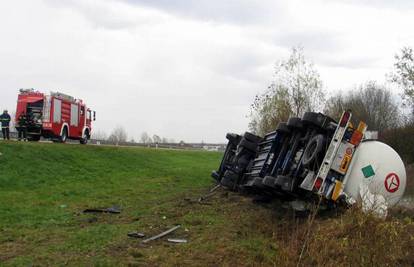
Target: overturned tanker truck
{"type": "Point", "coordinates": [315, 159]}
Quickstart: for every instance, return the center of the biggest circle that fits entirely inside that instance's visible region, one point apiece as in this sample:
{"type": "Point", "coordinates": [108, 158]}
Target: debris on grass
{"type": "Point", "coordinates": [201, 199]}
{"type": "Point", "coordinates": [210, 193]}
{"type": "Point", "coordinates": [175, 240]}
{"type": "Point", "coordinates": [113, 209]}
{"type": "Point", "coordinates": [136, 235]}
{"type": "Point", "coordinates": [161, 234]}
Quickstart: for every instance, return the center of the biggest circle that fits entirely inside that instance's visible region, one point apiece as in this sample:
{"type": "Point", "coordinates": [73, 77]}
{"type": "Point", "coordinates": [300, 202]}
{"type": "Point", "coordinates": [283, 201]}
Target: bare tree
{"type": "Point", "coordinates": [145, 138]}
{"type": "Point", "coordinates": [118, 135]}
{"type": "Point", "coordinates": [372, 103]}
{"type": "Point", "coordinates": [99, 135]}
{"type": "Point", "coordinates": [403, 74]}
{"type": "Point", "coordinates": [156, 139]}
{"type": "Point", "coordinates": [296, 88]}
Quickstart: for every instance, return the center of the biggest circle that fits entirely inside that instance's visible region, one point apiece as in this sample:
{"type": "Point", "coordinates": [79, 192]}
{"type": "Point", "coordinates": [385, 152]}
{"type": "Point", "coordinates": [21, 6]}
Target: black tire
{"type": "Point", "coordinates": [64, 137]}
{"type": "Point", "coordinates": [229, 180]}
{"type": "Point", "coordinates": [85, 138]}
{"type": "Point", "coordinates": [314, 147]}
{"type": "Point", "coordinates": [233, 138]}
{"type": "Point", "coordinates": [294, 123]}
{"type": "Point", "coordinates": [83, 141]}
{"type": "Point", "coordinates": [252, 138]}
{"type": "Point", "coordinates": [283, 128]}
{"type": "Point", "coordinates": [248, 145]}
{"type": "Point", "coordinates": [317, 119]}
{"type": "Point", "coordinates": [33, 138]}
{"type": "Point", "coordinates": [313, 118]}
{"type": "Point", "coordinates": [269, 181]}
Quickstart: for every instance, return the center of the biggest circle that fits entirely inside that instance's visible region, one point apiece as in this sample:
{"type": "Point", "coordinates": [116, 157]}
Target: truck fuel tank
{"type": "Point", "coordinates": [377, 173]}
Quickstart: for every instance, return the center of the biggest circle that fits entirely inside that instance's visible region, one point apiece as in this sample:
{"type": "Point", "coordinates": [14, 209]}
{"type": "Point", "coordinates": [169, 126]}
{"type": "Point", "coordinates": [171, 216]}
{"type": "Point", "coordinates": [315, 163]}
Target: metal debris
{"type": "Point", "coordinates": [175, 240]}
{"type": "Point", "coordinates": [114, 209]}
{"type": "Point", "coordinates": [162, 234]}
{"type": "Point", "coordinates": [136, 235]}
{"type": "Point", "coordinates": [210, 193]}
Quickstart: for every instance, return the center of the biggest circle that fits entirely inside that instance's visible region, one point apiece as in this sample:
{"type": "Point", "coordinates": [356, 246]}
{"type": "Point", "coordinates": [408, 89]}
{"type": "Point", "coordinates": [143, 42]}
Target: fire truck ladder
{"type": "Point", "coordinates": [319, 182]}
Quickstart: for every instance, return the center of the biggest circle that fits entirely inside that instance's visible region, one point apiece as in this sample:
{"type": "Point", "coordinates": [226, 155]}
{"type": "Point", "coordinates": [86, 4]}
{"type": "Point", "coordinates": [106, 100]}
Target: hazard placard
{"type": "Point", "coordinates": [392, 182]}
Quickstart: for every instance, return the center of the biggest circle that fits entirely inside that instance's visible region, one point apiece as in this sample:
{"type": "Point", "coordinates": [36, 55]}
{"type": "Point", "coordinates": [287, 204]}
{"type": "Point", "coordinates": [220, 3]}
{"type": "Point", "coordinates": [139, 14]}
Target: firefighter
{"type": "Point", "coordinates": [22, 127]}
{"type": "Point", "coordinates": [5, 124]}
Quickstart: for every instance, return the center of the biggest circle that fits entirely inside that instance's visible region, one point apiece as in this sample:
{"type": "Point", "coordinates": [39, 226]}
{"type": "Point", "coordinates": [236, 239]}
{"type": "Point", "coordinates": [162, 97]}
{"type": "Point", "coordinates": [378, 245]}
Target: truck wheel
{"type": "Point", "coordinates": [252, 138]}
{"type": "Point", "coordinates": [248, 145]}
{"type": "Point", "coordinates": [233, 138]}
{"type": "Point", "coordinates": [33, 138]}
{"type": "Point", "coordinates": [313, 118]}
{"type": "Point", "coordinates": [84, 139]}
{"type": "Point", "coordinates": [295, 123]}
{"type": "Point", "coordinates": [64, 136]}
{"type": "Point", "coordinates": [283, 128]}
{"type": "Point", "coordinates": [313, 148]}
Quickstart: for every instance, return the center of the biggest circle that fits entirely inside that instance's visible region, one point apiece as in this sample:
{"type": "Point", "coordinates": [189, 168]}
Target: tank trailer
{"type": "Point", "coordinates": [315, 159]}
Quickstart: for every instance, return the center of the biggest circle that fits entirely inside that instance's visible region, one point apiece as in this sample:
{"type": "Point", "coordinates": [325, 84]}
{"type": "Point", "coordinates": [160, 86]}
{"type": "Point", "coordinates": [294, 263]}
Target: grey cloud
{"type": "Point", "coordinates": [356, 61]}
{"type": "Point", "coordinates": [105, 14]}
{"type": "Point", "coordinates": [232, 11]}
{"type": "Point", "coordinates": [399, 4]}
{"type": "Point", "coordinates": [310, 39]}
{"type": "Point", "coordinates": [325, 48]}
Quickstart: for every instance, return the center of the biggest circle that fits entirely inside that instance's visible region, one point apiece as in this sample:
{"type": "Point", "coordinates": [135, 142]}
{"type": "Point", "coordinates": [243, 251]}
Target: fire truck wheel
{"type": "Point", "coordinates": [84, 140]}
{"type": "Point", "coordinates": [313, 148]}
{"type": "Point", "coordinates": [64, 135]}
{"type": "Point", "coordinates": [33, 138]}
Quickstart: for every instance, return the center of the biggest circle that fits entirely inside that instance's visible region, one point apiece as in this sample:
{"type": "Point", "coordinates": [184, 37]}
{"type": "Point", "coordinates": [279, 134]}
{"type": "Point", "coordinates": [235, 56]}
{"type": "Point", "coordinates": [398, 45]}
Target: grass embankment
{"type": "Point", "coordinates": [45, 187]}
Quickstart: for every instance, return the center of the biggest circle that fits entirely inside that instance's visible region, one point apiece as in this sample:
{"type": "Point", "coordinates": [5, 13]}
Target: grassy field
{"type": "Point", "coordinates": [45, 187]}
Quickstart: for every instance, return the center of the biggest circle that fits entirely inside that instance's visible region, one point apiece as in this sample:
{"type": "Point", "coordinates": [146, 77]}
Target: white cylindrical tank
{"type": "Point", "coordinates": [378, 169]}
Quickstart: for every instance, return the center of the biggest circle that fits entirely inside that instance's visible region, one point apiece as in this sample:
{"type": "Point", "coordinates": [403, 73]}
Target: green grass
{"type": "Point", "coordinates": [45, 187]}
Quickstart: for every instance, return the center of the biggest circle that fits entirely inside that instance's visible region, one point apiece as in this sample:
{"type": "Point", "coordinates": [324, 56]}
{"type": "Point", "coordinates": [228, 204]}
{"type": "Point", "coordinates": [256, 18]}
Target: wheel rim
{"type": "Point", "coordinates": [64, 135]}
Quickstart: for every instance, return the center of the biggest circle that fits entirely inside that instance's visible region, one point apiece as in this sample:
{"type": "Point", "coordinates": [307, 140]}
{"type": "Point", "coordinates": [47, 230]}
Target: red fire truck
{"type": "Point", "coordinates": [55, 116]}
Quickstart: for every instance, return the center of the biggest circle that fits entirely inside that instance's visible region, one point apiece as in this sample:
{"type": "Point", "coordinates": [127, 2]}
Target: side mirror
{"type": "Point", "coordinates": [94, 115]}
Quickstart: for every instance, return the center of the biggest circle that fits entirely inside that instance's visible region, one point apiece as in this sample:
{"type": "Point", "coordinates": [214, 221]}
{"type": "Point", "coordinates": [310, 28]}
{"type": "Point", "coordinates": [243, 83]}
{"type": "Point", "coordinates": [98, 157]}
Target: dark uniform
{"type": "Point", "coordinates": [5, 125]}
{"type": "Point", "coordinates": [22, 127]}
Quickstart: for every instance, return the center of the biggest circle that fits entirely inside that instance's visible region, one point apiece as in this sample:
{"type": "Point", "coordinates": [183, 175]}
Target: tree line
{"type": "Point", "coordinates": [119, 136]}
{"type": "Point", "coordinates": [297, 88]}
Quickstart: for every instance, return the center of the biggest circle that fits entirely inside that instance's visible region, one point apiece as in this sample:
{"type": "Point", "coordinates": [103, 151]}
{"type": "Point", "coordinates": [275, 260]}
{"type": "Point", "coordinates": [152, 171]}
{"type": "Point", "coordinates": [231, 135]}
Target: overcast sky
{"type": "Point", "coordinates": [189, 70]}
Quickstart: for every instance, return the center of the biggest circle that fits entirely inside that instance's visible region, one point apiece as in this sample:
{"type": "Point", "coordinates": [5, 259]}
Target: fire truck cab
{"type": "Point", "coordinates": [56, 116]}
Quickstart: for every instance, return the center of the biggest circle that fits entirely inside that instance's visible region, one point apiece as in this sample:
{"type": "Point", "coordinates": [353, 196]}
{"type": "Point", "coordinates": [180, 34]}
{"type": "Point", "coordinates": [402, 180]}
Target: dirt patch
{"type": "Point", "coordinates": [234, 231]}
